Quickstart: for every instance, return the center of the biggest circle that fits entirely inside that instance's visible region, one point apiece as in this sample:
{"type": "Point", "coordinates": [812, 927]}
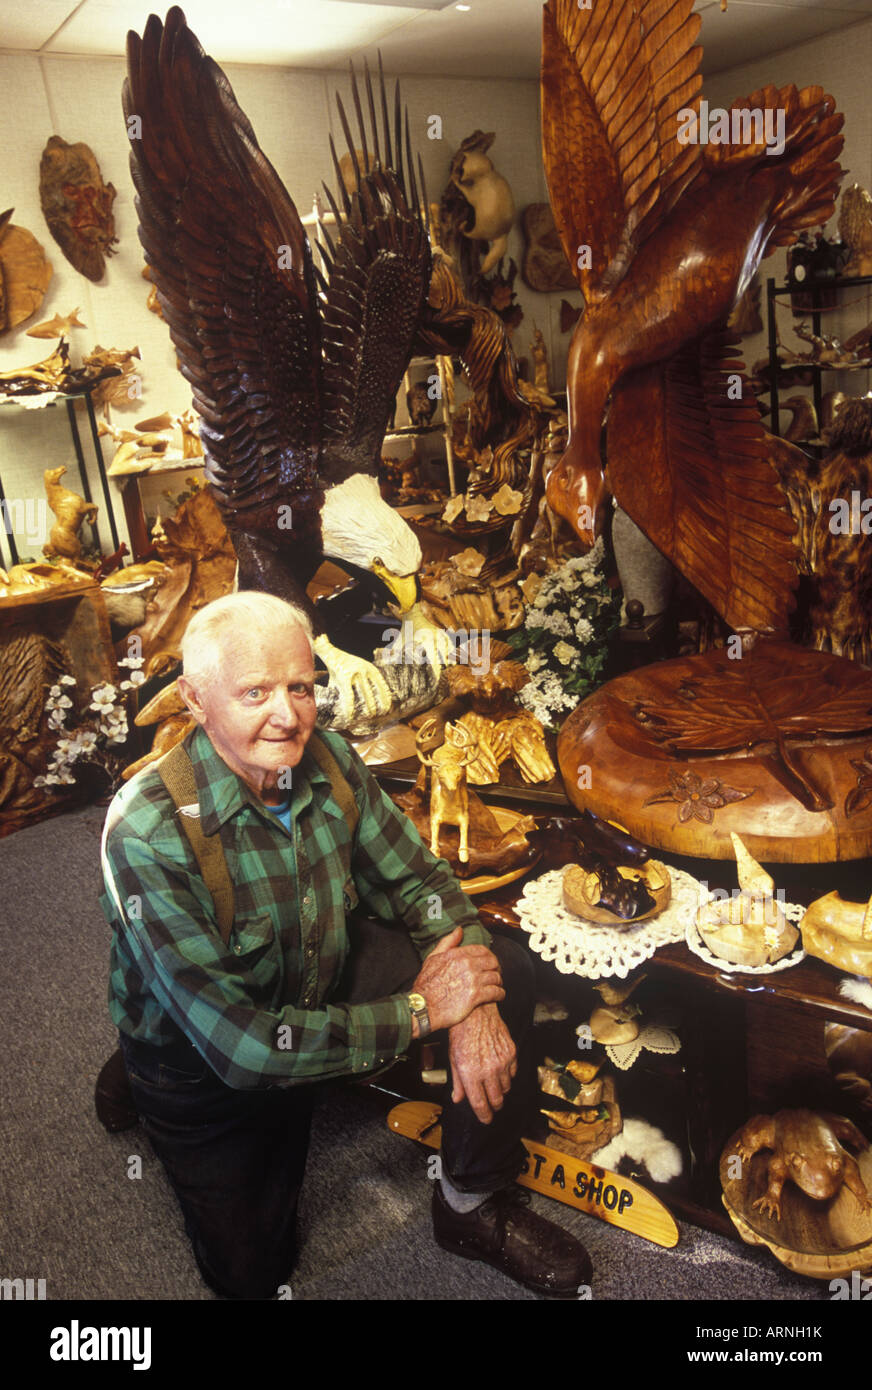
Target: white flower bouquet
{"type": "Point", "coordinates": [563, 640]}
{"type": "Point", "coordinates": [95, 739]}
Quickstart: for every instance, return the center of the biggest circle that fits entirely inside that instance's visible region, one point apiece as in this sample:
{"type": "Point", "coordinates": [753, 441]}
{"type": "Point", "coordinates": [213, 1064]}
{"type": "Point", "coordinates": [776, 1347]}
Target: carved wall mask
{"type": "Point", "coordinates": [77, 205]}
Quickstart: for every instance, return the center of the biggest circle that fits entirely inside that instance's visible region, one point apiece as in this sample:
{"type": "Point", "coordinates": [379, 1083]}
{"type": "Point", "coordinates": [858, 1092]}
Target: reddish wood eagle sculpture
{"type": "Point", "coordinates": [666, 233]}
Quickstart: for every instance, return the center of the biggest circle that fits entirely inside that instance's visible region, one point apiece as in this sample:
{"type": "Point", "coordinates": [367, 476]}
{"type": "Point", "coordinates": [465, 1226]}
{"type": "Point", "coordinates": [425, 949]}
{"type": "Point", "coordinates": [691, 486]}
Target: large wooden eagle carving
{"type": "Point", "coordinates": [665, 232]}
{"type": "Point", "coordinates": [294, 384]}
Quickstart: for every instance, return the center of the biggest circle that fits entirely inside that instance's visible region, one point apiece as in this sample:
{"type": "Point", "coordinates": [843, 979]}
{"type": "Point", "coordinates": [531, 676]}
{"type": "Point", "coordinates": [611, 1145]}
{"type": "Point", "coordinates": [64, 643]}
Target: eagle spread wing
{"type": "Point", "coordinates": [613, 81]}
{"type": "Point", "coordinates": [233, 271]}
{"type": "Point", "coordinates": [378, 277]}
{"type": "Point", "coordinates": [288, 404]}
{"type": "Point", "coordinates": [711, 493]}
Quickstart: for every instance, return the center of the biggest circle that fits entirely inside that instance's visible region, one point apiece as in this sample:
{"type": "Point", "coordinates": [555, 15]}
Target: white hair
{"type": "Point", "coordinates": [243, 613]}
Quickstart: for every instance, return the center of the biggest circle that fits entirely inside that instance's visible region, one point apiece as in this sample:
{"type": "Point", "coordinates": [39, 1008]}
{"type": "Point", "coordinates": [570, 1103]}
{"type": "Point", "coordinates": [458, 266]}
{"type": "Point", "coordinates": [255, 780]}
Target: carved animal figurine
{"type": "Point", "coordinates": [806, 1150]}
{"type": "Point", "coordinates": [803, 423]}
{"type": "Point", "coordinates": [294, 387]}
{"type": "Point", "coordinates": [449, 794]}
{"type": "Point", "coordinates": [825, 349]}
{"type": "Point", "coordinates": [420, 404]}
{"type": "Point", "coordinates": [57, 326]}
{"type": "Point", "coordinates": [855, 229]}
{"type": "Point", "coordinates": [71, 510]}
{"type": "Point", "coordinates": [666, 227]}
{"type": "Point", "coordinates": [490, 205]}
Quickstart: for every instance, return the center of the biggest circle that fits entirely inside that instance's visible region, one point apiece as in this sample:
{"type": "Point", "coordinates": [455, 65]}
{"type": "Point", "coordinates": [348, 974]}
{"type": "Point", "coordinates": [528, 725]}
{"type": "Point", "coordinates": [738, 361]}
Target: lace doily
{"type": "Point", "coordinates": [579, 947]}
{"type": "Point", "coordinates": [792, 911]}
{"type": "Point", "coordinates": [653, 1037]}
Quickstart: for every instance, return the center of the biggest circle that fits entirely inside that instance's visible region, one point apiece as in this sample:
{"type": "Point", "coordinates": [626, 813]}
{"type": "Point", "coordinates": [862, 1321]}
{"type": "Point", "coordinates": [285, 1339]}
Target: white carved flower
{"type": "Point", "coordinates": [565, 653]}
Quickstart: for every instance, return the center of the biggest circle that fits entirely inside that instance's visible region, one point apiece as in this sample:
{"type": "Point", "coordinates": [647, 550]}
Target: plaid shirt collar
{"type": "Point", "coordinates": [221, 792]}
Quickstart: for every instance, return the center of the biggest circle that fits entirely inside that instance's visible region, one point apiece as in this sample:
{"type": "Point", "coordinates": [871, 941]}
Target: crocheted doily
{"type": "Point", "coordinates": [792, 911]}
{"type": "Point", "coordinates": [579, 947]}
{"type": "Point", "coordinates": [654, 1037]}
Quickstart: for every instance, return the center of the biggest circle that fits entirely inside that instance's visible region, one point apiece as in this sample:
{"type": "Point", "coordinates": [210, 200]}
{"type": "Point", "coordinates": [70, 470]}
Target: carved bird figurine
{"type": "Point", "coordinates": [666, 228]}
{"type": "Point", "coordinates": [293, 394]}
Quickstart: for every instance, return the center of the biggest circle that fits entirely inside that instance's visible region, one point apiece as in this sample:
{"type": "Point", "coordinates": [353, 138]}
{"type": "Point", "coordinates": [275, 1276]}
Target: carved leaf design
{"type": "Point", "coordinates": [761, 699]}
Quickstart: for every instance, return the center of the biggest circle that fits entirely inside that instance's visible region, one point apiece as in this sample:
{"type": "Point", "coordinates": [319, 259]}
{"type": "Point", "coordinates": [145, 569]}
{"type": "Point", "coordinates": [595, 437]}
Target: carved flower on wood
{"type": "Point", "coordinates": [697, 799]}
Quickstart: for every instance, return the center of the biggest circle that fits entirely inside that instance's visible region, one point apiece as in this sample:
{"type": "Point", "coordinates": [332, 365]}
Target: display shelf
{"type": "Point", "coordinates": [69, 400]}
{"type": "Point", "coordinates": [811, 986]}
{"type": "Point", "coordinates": [816, 289]}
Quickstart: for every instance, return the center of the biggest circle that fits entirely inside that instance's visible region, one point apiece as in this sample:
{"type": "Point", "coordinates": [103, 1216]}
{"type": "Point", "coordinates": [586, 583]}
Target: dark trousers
{"type": "Point", "coordinates": [235, 1159]}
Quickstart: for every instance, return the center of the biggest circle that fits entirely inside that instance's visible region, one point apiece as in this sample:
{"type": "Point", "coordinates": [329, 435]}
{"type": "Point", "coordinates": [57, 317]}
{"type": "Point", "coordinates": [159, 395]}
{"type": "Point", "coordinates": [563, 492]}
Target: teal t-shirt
{"type": "Point", "coordinates": [282, 812]}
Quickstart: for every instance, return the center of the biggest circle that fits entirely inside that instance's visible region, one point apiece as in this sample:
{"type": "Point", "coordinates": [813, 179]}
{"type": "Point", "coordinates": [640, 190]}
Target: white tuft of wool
{"type": "Point", "coordinates": [358, 525]}
{"type": "Point", "coordinates": [642, 1143]}
{"type": "Point", "coordinates": [858, 989]}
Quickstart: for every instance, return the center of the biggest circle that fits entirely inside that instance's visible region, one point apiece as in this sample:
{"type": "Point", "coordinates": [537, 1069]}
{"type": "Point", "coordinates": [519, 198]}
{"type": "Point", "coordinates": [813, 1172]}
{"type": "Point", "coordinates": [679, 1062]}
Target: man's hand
{"type": "Point", "coordinates": [483, 1061]}
{"type": "Point", "coordinates": [456, 979]}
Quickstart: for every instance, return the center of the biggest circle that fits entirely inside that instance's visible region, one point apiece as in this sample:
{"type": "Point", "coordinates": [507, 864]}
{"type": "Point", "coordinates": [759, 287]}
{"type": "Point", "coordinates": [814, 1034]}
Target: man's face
{"type": "Point", "coordinates": [259, 710]}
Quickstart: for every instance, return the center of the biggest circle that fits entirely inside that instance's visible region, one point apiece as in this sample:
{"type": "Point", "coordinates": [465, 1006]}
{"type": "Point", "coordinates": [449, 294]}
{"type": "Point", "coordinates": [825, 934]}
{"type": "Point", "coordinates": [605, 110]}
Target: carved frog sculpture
{"type": "Point", "coordinates": [806, 1149]}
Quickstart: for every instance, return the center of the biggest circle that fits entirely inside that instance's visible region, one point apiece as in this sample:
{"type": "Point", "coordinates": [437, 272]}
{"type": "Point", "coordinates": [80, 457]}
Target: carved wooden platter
{"type": "Point", "coordinates": [775, 745]}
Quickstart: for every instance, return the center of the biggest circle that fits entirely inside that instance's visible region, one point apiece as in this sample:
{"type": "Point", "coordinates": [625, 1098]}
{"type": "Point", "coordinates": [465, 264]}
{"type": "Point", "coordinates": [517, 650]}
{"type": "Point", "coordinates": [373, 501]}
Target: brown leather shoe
{"type": "Point", "coordinates": [503, 1232]}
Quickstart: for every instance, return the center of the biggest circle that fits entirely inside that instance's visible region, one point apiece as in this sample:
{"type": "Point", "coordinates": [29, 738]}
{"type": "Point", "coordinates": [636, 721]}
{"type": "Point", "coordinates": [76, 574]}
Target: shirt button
{"type": "Point", "coordinates": [307, 899]}
{"type": "Point", "coordinates": [310, 951]}
{"type": "Point", "coordinates": [238, 950]}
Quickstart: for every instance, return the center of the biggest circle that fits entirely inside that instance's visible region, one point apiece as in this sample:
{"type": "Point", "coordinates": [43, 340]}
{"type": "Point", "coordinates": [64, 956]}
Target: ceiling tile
{"type": "Point", "coordinates": [295, 33]}
{"type": "Point", "coordinates": [30, 26]}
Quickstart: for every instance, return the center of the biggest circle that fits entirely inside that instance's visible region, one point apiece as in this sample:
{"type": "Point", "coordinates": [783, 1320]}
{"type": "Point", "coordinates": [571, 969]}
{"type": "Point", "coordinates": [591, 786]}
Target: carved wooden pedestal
{"type": "Point", "coordinates": [775, 744]}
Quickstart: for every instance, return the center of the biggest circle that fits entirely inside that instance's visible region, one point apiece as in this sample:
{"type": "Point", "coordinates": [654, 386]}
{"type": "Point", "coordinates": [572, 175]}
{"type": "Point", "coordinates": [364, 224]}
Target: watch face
{"type": "Point", "coordinates": [417, 1002]}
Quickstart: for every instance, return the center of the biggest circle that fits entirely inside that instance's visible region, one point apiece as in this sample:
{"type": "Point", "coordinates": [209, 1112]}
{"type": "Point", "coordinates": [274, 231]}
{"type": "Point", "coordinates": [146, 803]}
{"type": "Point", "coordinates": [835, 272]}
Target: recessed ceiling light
{"type": "Point", "coordinates": [463, 7]}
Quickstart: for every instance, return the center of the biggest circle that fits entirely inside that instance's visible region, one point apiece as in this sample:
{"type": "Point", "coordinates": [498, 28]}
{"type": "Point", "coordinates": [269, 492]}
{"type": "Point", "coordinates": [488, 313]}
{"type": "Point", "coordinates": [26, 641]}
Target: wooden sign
{"type": "Point", "coordinates": [596, 1191]}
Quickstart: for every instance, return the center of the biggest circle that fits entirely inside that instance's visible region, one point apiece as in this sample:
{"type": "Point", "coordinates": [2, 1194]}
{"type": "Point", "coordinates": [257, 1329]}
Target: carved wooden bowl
{"type": "Point", "coordinates": [821, 1239]}
{"type": "Point", "coordinates": [776, 745]}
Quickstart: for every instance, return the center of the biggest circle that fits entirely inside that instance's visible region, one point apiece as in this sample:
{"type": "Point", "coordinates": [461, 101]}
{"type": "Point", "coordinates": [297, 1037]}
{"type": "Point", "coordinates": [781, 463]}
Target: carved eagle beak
{"type": "Point", "coordinates": [403, 587]}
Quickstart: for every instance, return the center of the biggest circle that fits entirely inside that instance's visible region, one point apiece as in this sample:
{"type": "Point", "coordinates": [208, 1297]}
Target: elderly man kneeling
{"type": "Point", "coordinates": [229, 1010]}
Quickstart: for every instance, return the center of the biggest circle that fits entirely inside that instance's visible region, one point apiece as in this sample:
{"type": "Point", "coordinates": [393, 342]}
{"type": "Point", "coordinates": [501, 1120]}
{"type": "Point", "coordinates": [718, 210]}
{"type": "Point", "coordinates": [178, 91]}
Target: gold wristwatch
{"type": "Point", "coordinates": [418, 1009]}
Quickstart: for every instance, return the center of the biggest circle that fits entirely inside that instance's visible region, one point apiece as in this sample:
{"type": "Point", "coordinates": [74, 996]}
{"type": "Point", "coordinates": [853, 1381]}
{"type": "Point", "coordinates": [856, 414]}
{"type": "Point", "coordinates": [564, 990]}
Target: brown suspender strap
{"type": "Point", "coordinates": [342, 793]}
{"type": "Point", "coordinates": [177, 774]}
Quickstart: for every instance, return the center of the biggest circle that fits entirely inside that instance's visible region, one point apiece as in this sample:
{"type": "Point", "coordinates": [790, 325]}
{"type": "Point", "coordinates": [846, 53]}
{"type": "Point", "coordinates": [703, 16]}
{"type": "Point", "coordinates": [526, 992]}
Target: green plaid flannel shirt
{"type": "Point", "coordinates": [262, 1010]}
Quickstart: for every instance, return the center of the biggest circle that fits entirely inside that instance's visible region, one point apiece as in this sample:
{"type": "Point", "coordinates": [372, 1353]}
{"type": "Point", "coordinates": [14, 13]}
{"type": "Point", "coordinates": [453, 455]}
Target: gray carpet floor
{"type": "Point", "coordinates": [71, 1214]}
